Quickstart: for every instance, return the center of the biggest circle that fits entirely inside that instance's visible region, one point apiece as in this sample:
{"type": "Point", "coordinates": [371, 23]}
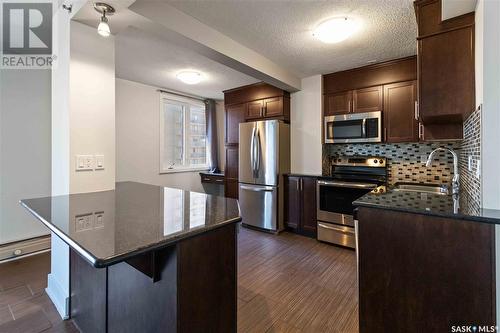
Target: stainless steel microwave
{"type": "Point", "coordinates": [354, 128]}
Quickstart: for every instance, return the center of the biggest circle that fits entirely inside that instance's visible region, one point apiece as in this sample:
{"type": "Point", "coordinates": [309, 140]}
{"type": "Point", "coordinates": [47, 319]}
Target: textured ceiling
{"type": "Point", "coordinates": [281, 30]}
{"type": "Point", "coordinates": [150, 60]}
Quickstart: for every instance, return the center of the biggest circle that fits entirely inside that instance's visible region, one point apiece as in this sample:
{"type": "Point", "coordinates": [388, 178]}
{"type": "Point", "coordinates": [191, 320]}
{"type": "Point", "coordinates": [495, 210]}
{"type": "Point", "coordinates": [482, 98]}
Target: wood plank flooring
{"type": "Point", "coordinates": [286, 283]}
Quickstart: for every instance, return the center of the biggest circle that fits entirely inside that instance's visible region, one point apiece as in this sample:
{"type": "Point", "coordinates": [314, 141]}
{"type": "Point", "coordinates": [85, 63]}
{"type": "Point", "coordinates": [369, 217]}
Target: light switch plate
{"type": "Point", "coordinates": [99, 162]}
{"type": "Point", "coordinates": [84, 162]}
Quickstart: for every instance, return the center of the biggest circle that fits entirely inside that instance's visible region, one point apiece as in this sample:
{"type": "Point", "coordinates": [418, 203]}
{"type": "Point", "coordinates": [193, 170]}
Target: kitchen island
{"type": "Point", "coordinates": [426, 262]}
{"type": "Point", "coordinates": [146, 258]}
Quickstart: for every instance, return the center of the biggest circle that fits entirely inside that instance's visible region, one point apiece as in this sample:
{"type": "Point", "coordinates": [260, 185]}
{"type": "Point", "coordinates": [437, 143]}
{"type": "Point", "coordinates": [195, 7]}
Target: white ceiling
{"type": "Point", "coordinates": [150, 60]}
{"type": "Point", "coordinates": [281, 30]}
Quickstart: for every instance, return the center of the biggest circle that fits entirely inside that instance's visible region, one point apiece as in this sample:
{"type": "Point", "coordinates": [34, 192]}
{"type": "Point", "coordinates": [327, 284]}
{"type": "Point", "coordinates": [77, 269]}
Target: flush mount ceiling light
{"type": "Point", "coordinates": [104, 9]}
{"type": "Point", "coordinates": [336, 29]}
{"type": "Point", "coordinates": [189, 77]}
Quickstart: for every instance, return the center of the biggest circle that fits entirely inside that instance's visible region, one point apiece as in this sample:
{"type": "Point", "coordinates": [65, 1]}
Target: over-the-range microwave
{"type": "Point", "coordinates": [354, 127]}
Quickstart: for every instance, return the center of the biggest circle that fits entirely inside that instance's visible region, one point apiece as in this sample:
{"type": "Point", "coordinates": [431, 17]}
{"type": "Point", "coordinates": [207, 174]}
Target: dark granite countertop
{"type": "Point", "coordinates": [430, 204]}
{"type": "Point", "coordinates": [112, 226]}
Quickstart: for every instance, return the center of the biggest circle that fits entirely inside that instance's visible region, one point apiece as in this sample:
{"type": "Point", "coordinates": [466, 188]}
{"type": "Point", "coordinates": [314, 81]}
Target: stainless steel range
{"type": "Point", "coordinates": [351, 178]}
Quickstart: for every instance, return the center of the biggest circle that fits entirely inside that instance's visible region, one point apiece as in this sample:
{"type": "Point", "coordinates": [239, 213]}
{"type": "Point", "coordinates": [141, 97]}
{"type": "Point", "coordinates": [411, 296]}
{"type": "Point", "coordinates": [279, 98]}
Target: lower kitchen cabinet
{"type": "Point", "coordinates": [421, 273]}
{"type": "Point", "coordinates": [300, 205]}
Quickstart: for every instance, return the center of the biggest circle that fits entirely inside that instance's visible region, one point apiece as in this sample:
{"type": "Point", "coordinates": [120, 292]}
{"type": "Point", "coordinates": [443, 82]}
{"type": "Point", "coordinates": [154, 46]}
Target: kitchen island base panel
{"type": "Point", "coordinates": [195, 290]}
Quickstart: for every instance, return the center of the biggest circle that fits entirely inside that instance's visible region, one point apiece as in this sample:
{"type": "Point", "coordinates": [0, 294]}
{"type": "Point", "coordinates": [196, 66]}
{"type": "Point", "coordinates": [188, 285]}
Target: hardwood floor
{"type": "Point", "coordinates": [286, 283]}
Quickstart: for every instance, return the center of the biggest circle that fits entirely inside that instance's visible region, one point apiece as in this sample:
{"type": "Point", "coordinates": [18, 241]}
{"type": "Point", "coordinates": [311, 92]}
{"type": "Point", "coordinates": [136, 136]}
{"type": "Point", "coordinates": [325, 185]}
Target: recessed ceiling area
{"type": "Point", "coordinates": [150, 60]}
{"type": "Point", "coordinates": [282, 30]}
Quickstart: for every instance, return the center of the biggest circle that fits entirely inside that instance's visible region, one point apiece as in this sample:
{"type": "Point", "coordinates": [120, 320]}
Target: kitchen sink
{"type": "Point", "coordinates": [422, 188]}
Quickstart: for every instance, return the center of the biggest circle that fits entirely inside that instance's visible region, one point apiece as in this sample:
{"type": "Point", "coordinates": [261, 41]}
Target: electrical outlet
{"type": "Point", "coordinates": [469, 163]}
{"type": "Point", "coordinates": [478, 169]}
{"type": "Point", "coordinates": [84, 222]}
{"type": "Point", "coordinates": [84, 162]}
{"type": "Point", "coordinates": [99, 162]}
{"type": "Point", "coordinates": [99, 220]}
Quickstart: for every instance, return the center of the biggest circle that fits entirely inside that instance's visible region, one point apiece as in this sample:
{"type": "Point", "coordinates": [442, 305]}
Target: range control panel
{"type": "Point", "coordinates": [359, 161]}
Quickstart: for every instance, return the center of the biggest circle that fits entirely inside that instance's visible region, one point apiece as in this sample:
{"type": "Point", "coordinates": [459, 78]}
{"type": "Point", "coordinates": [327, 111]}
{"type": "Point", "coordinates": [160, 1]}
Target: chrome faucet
{"type": "Point", "coordinates": [455, 183]}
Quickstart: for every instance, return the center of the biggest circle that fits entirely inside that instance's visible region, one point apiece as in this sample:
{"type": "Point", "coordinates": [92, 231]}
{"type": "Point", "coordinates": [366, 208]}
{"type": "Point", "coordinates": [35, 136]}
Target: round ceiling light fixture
{"type": "Point", "coordinates": [190, 77]}
{"type": "Point", "coordinates": [104, 9]}
{"type": "Point", "coordinates": [336, 29]}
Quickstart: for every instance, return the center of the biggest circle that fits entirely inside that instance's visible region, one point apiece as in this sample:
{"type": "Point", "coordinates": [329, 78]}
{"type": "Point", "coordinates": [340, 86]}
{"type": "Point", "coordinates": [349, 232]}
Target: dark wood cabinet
{"type": "Point", "coordinates": [300, 205]}
{"type": "Point", "coordinates": [231, 172]}
{"type": "Point", "coordinates": [235, 114]}
{"type": "Point", "coordinates": [400, 118]}
{"type": "Point", "coordinates": [338, 103]}
{"type": "Point", "coordinates": [254, 110]}
{"type": "Point", "coordinates": [420, 273]}
{"type": "Point", "coordinates": [367, 99]}
{"type": "Point", "coordinates": [273, 107]}
{"type": "Point", "coordinates": [446, 79]}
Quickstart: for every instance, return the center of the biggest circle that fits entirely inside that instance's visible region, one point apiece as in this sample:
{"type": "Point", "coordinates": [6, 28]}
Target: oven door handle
{"type": "Point", "coordinates": [346, 230]}
{"type": "Point", "coordinates": [347, 184]}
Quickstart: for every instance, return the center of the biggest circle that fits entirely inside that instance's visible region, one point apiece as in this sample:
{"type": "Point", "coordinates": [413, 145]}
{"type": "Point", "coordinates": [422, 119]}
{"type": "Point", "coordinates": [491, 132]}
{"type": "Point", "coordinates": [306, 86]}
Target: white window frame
{"type": "Point", "coordinates": [186, 103]}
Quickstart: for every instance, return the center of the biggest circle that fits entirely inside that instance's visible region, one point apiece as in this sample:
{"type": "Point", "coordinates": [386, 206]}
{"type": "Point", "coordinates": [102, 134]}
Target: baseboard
{"type": "Point", "coordinates": [23, 248]}
{"type": "Point", "coordinates": [58, 296]}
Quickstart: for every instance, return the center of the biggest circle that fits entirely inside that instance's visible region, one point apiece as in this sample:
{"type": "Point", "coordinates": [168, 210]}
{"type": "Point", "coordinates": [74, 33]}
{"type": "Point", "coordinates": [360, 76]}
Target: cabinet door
{"type": "Point", "coordinates": [273, 107]}
{"type": "Point", "coordinates": [400, 123]}
{"type": "Point", "coordinates": [446, 76]}
{"type": "Point", "coordinates": [235, 114]}
{"type": "Point", "coordinates": [254, 109]}
{"type": "Point", "coordinates": [231, 172]}
{"type": "Point", "coordinates": [309, 222]}
{"type": "Point", "coordinates": [231, 188]}
{"type": "Point", "coordinates": [367, 99]}
{"type": "Point", "coordinates": [338, 103]}
{"type": "Point", "coordinates": [292, 202]}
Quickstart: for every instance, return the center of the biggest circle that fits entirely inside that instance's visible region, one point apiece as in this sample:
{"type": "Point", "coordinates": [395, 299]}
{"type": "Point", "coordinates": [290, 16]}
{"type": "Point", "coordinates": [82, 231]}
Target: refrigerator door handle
{"type": "Point", "coordinates": [252, 151]}
{"type": "Point", "coordinates": [257, 159]}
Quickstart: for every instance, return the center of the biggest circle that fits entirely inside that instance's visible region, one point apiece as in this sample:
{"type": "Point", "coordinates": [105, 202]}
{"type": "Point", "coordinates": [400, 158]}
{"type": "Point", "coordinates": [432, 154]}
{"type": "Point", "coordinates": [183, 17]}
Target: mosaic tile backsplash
{"type": "Point", "coordinates": [405, 161]}
{"type": "Point", "coordinates": [471, 146]}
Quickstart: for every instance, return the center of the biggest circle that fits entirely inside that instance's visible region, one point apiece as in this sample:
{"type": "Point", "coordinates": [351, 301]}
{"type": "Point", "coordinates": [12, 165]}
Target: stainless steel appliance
{"type": "Point", "coordinates": [264, 156]}
{"type": "Point", "coordinates": [354, 127]}
{"type": "Point", "coordinates": [351, 178]}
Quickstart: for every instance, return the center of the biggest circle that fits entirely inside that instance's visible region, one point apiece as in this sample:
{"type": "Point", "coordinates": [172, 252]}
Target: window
{"type": "Point", "coordinates": [183, 139]}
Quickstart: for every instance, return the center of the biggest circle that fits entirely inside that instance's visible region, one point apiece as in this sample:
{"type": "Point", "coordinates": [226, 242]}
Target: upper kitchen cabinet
{"type": "Point", "coordinates": [338, 103]}
{"type": "Point", "coordinates": [235, 114]}
{"type": "Point", "coordinates": [367, 99]}
{"type": "Point", "coordinates": [261, 100]}
{"type": "Point", "coordinates": [400, 118]}
{"type": "Point", "coordinates": [445, 70]}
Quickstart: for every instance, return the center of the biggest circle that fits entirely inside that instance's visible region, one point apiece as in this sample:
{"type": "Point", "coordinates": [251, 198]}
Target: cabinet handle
{"type": "Point", "coordinates": [385, 133]}
{"type": "Point", "coordinates": [298, 184]}
{"type": "Point", "coordinates": [420, 131]}
{"type": "Point", "coordinates": [349, 106]}
{"type": "Point", "coordinates": [417, 114]}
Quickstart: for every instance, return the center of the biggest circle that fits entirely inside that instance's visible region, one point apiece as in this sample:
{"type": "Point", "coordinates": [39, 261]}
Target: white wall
{"type": "Point", "coordinates": [25, 119]}
{"type": "Point", "coordinates": [305, 127]}
{"type": "Point", "coordinates": [83, 118]}
{"type": "Point", "coordinates": [138, 138]}
{"type": "Point", "coordinates": [92, 107]}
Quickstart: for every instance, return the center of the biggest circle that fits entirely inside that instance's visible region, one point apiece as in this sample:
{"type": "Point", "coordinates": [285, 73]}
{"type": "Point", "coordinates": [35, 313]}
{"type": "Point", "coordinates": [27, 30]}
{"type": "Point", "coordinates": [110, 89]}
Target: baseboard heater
{"type": "Point", "coordinates": [22, 248]}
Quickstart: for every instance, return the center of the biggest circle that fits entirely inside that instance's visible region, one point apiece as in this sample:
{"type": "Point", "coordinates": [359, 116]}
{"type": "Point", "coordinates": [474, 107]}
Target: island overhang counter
{"type": "Point", "coordinates": [147, 258]}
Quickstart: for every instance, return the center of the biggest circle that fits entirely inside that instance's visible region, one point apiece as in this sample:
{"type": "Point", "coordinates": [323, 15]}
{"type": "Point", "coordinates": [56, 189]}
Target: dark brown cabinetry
{"type": "Point", "coordinates": [420, 273]}
{"type": "Point", "coordinates": [400, 118]}
{"type": "Point", "coordinates": [300, 205]}
{"type": "Point", "coordinates": [367, 99]}
{"type": "Point", "coordinates": [249, 103]}
{"type": "Point", "coordinates": [338, 103]}
{"type": "Point", "coordinates": [446, 91]}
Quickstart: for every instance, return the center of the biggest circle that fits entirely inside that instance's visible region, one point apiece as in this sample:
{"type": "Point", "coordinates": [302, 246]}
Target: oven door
{"type": "Point", "coordinates": [335, 198]}
{"type": "Point", "coordinates": [354, 127]}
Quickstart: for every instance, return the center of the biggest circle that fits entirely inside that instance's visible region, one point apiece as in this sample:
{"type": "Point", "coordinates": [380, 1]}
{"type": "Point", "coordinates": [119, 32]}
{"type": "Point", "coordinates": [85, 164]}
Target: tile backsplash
{"type": "Point", "coordinates": [405, 161]}
{"type": "Point", "coordinates": [471, 146]}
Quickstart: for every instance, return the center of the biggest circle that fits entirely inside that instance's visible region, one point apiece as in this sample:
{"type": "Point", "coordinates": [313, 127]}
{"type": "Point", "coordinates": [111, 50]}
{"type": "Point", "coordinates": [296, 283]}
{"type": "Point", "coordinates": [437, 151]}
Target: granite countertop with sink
{"type": "Point", "coordinates": [462, 208]}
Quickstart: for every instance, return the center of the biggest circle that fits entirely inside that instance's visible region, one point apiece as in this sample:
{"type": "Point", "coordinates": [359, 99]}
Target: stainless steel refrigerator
{"type": "Point", "coordinates": [264, 156]}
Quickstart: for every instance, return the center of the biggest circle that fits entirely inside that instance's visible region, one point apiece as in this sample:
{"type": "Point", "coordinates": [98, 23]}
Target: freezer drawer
{"type": "Point", "coordinates": [259, 206]}
{"type": "Point", "coordinates": [336, 234]}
